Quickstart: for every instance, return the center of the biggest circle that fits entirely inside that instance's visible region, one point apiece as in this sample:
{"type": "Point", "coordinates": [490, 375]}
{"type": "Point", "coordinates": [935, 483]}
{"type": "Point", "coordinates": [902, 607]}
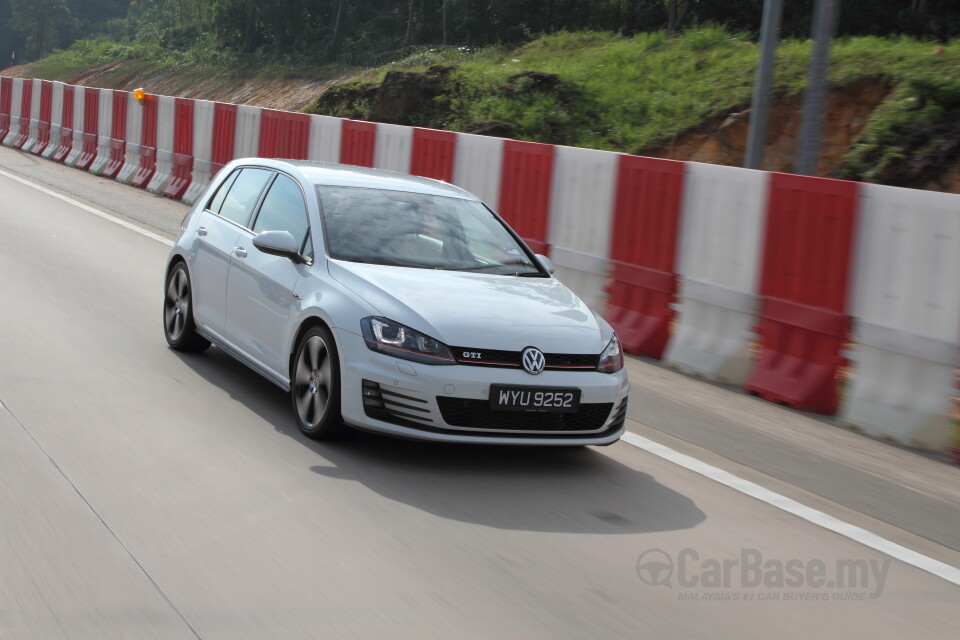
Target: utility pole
{"type": "Point", "coordinates": [814, 100]}
{"type": "Point", "coordinates": [760, 105]}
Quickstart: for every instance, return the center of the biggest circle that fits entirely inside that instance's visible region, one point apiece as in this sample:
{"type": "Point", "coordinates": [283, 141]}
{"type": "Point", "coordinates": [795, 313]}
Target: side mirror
{"type": "Point", "coordinates": [547, 263]}
{"type": "Point", "coordinates": [278, 243]}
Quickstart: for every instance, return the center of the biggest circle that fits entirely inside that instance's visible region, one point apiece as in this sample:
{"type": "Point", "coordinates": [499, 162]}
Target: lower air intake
{"type": "Point", "coordinates": [395, 408]}
{"type": "Point", "coordinates": [476, 414]}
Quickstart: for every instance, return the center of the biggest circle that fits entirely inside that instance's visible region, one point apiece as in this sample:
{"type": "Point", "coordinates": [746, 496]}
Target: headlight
{"type": "Point", "coordinates": [611, 360]}
{"type": "Point", "coordinates": [394, 339]}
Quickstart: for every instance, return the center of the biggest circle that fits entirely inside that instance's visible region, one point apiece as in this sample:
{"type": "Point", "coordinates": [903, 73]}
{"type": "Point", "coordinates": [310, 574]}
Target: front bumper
{"type": "Point", "coordinates": [451, 403]}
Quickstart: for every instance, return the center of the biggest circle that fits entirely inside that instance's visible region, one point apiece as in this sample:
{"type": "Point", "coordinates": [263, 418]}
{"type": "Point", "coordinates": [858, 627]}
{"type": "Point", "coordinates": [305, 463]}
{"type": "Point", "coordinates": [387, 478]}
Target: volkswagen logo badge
{"type": "Point", "coordinates": [533, 360]}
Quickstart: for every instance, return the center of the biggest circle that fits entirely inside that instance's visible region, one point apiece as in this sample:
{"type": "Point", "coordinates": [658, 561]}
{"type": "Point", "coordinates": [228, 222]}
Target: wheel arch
{"type": "Point", "coordinates": [173, 261]}
{"type": "Point", "coordinates": [308, 323]}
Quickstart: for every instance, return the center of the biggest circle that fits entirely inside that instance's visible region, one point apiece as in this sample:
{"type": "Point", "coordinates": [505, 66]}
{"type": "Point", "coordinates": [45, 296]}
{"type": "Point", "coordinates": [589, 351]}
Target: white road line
{"type": "Point", "coordinates": [88, 208]}
{"type": "Point", "coordinates": [845, 529]}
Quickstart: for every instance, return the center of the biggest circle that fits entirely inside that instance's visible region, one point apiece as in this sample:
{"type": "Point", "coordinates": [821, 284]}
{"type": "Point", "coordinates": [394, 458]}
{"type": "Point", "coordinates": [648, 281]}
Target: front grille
{"type": "Point", "coordinates": [512, 359]}
{"type": "Point", "coordinates": [487, 357]}
{"type": "Point", "coordinates": [571, 361]}
{"type": "Point", "coordinates": [395, 408]}
{"type": "Point", "coordinates": [476, 414]}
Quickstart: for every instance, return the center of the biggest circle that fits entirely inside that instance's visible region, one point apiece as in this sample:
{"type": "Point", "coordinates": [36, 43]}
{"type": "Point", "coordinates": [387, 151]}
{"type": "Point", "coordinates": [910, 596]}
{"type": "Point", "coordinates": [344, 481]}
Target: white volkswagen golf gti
{"type": "Point", "coordinates": [393, 304]}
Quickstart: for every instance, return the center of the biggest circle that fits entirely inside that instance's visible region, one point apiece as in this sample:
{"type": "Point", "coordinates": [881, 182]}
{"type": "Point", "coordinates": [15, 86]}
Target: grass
{"type": "Point", "coordinates": [631, 92]}
{"type": "Point", "coordinates": [203, 58]}
{"type": "Point", "coordinates": [87, 54]}
{"type": "Point", "coordinates": [423, 57]}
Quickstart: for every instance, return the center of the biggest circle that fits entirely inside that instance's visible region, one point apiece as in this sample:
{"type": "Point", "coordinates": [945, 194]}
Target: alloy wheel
{"type": "Point", "coordinates": [313, 381]}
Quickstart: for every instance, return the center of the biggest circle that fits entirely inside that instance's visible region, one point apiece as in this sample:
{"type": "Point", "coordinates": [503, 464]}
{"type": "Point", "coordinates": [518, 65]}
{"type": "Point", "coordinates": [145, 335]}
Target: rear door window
{"type": "Point", "coordinates": [216, 202]}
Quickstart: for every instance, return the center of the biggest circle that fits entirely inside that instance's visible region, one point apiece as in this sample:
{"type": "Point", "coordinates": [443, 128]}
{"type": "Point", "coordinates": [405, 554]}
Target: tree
{"type": "Point", "coordinates": [371, 31]}
{"type": "Point", "coordinates": [408, 37]}
{"type": "Point", "coordinates": [677, 11]}
{"type": "Point", "coordinates": [42, 22]}
{"type": "Point", "coordinates": [238, 24]}
{"type": "Point", "coordinates": [98, 11]}
{"type": "Point", "coordinates": [10, 41]}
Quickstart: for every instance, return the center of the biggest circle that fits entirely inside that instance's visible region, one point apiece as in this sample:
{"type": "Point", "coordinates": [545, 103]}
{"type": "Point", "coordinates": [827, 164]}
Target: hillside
{"type": "Point", "coordinates": [892, 118]}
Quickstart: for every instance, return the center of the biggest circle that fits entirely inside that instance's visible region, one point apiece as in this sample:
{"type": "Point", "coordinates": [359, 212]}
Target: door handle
{"type": "Point", "coordinates": [240, 251]}
{"type": "Point", "coordinates": [202, 231]}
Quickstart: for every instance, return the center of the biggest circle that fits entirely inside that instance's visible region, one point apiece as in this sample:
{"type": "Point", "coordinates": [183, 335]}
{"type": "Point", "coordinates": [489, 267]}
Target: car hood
{"type": "Point", "coordinates": [478, 310]}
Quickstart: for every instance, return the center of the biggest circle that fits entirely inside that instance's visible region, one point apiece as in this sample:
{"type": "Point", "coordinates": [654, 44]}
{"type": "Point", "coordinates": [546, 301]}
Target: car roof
{"type": "Point", "coordinates": [344, 175]}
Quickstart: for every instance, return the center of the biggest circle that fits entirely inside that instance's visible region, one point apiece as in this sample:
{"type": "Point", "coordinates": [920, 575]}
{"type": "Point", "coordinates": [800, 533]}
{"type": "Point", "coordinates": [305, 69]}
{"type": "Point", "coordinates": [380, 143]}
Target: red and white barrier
{"type": "Point", "coordinates": [12, 108]}
{"type": "Point", "coordinates": [33, 125]}
{"type": "Point", "coordinates": [808, 247]}
{"type": "Point", "coordinates": [721, 240]}
{"type": "Point", "coordinates": [104, 132]}
{"type": "Point", "coordinates": [91, 128]}
{"type": "Point", "coordinates": [76, 134]}
{"type": "Point", "coordinates": [526, 181]}
{"type": "Point", "coordinates": [686, 258]}
{"type": "Point", "coordinates": [134, 130]}
{"type": "Point", "coordinates": [476, 166]}
{"type": "Point", "coordinates": [26, 109]}
{"type": "Point", "coordinates": [225, 130]}
{"type": "Point", "coordinates": [39, 142]}
{"type": "Point", "coordinates": [117, 144]}
{"type": "Point", "coordinates": [907, 330]}
{"type": "Point", "coordinates": [432, 154]}
{"type": "Point", "coordinates": [54, 122]}
{"type": "Point", "coordinates": [643, 248]}
{"type": "Point", "coordinates": [181, 174]}
{"type": "Point", "coordinates": [166, 126]}
{"type": "Point", "coordinates": [283, 135]}
{"type": "Point", "coordinates": [6, 100]}
{"type": "Point", "coordinates": [203, 127]}
{"type": "Point", "coordinates": [247, 138]}
{"type": "Point", "coordinates": [61, 127]}
{"type": "Point", "coordinates": [392, 148]}
{"type": "Point", "coordinates": [147, 165]}
{"type": "Point", "coordinates": [357, 143]}
{"type": "Point", "coordinates": [325, 134]}
{"type": "Point", "coordinates": [581, 217]}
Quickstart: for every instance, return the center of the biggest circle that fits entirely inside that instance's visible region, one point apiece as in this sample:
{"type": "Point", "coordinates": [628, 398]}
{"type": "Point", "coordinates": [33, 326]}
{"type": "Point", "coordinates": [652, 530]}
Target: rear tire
{"type": "Point", "coordinates": [315, 386]}
{"type": "Point", "coordinates": [178, 325]}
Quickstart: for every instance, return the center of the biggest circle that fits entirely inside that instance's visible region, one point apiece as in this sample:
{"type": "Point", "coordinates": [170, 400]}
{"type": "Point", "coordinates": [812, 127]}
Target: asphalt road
{"type": "Point", "coordinates": [145, 493]}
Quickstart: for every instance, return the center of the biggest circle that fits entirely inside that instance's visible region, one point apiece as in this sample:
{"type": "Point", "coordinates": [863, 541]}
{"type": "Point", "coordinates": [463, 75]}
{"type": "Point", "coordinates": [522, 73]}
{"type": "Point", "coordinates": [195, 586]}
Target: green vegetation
{"type": "Point", "coordinates": [204, 57]}
{"type": "Point", "coordinates": [370, 32]}
{"type": "Point", "coordinates": [628, 93]}
{"type": "Point", "coordinates": [90, 54]}
{"type": "Point", "coordinates": [912, 135]}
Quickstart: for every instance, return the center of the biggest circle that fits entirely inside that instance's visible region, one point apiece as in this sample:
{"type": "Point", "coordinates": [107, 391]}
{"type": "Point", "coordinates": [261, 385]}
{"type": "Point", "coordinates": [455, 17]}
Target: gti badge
{"type": "Point", "coordinates": [533, 361]}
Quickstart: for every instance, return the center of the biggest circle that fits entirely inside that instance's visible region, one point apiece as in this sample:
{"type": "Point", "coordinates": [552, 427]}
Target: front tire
{"type": "Point", "coordinates": [178, 325]}
{"type": "Point", "coordinates": [315, 386]}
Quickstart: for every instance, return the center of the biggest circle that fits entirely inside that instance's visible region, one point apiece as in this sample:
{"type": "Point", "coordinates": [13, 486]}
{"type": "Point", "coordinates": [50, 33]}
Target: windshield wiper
{"type": "Point", "coordinates": [496, 269]}
{"type": "Point", "coordinates": [479, 267]}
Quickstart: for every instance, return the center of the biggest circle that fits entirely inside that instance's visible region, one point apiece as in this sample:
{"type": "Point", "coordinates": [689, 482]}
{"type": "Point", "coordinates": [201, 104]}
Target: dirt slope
{"type": "Point", "coordinates": [273, 93]}
{"type": "Point", "coordinates": [723, 139]}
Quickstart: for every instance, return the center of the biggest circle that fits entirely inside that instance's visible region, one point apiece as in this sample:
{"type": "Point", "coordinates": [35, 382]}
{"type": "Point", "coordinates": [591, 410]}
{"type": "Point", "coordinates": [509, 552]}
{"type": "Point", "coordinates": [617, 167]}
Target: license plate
{"type": "Point", "coordinates": [552, 399]}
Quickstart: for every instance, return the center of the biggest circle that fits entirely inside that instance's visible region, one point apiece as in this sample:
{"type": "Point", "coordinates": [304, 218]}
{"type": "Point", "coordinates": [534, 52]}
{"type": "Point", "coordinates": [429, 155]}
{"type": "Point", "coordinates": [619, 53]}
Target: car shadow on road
{"type": "Point", "coordinates": [549, 489]}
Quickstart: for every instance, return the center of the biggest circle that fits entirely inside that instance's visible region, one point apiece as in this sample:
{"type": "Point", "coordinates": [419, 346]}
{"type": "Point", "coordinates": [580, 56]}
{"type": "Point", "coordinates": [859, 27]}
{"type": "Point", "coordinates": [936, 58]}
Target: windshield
{"type": "Point", "coordinates": [418, 230]}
